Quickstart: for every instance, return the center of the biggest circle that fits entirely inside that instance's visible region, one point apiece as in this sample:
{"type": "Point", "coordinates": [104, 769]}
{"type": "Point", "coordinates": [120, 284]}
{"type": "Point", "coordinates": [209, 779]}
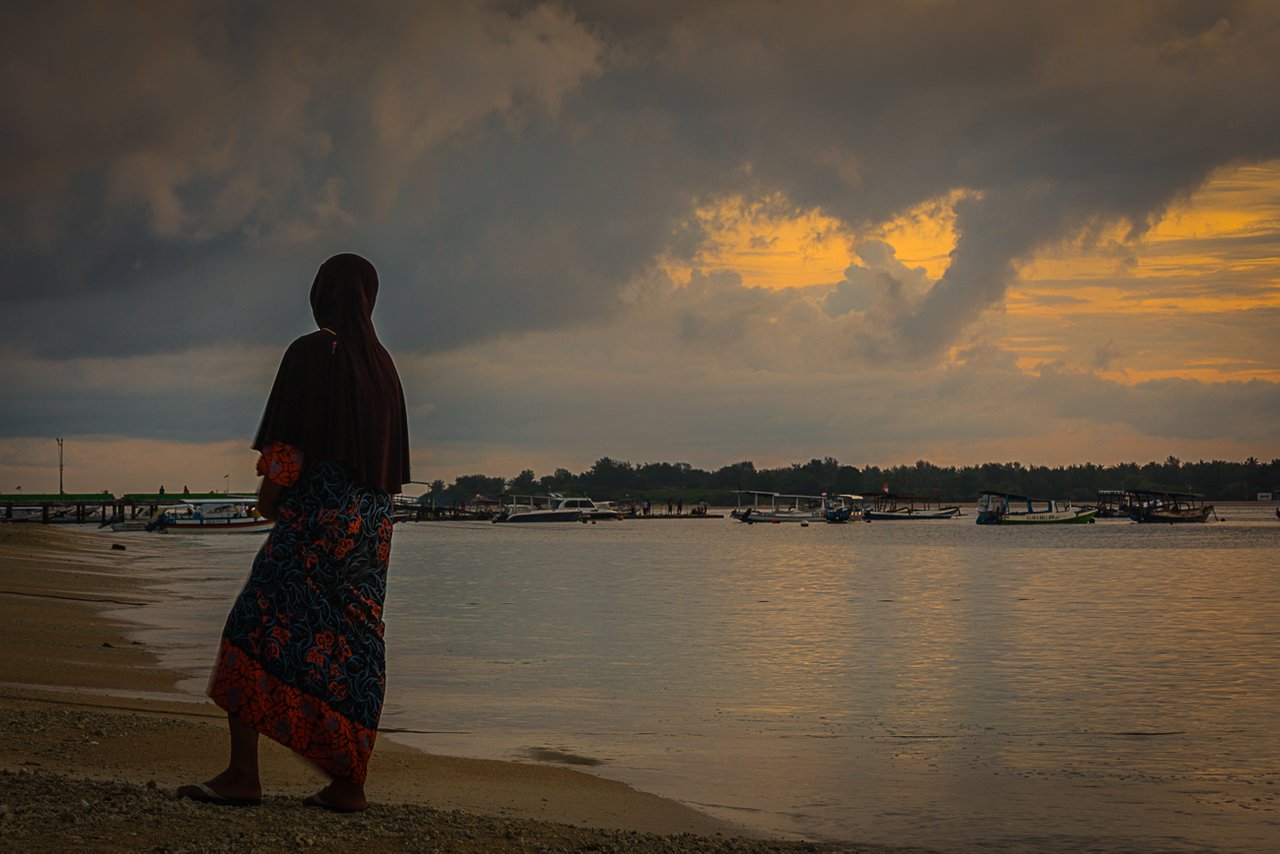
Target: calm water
{"type": "Point", "coordinates": [1112, 686]}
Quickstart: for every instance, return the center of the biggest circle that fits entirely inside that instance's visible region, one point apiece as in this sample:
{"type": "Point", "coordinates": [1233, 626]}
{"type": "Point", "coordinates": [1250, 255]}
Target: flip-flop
{"type": "Point", "coordinates": [204, 794]}
{"type": "Point", "coordinates": [319, 800]}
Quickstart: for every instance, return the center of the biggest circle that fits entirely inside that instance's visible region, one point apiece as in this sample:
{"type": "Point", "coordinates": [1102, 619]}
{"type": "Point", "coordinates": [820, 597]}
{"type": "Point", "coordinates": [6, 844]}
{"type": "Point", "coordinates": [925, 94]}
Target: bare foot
{"type": "Point", "coordinates": [340, 796]}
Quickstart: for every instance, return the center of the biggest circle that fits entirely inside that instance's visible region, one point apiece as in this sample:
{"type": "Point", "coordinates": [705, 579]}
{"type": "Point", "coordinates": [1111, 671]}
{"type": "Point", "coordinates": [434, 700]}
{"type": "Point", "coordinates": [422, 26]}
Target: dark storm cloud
{"type": "Point", "coordinates": [173, 173]}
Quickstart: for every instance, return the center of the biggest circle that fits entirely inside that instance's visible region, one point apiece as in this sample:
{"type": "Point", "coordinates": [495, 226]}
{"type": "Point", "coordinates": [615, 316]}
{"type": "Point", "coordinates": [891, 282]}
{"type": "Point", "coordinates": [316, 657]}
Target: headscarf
{"type": "Point", "coordinates": [337, 395]}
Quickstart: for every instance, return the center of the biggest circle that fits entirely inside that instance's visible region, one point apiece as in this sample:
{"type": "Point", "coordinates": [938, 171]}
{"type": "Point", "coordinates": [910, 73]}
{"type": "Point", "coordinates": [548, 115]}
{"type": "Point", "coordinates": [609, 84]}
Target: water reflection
{"type": "Point", "coordinates": [1111, 685]}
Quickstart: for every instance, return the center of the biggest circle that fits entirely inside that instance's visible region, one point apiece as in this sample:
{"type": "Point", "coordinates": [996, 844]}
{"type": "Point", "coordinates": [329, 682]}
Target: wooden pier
{"type": "Point", "coordinates": [101, 507]}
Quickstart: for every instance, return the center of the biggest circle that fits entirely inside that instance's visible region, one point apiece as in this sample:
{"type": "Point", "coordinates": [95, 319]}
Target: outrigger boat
{"type": "Point", "coordinates": [777, 507]}
{"type": "Point", "coordinates": [1168, 508]}
{"type": "Point", "coordinates": [555, 508]}
{"type": "Point", "coordinates": [888, 506]}
{"type": "Point", "coordinates": [1002, 508]}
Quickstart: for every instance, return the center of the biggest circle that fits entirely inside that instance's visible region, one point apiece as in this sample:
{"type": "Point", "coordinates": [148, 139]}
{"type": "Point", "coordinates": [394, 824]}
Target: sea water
{"type": "Point", "coordinates": [1108, 686]}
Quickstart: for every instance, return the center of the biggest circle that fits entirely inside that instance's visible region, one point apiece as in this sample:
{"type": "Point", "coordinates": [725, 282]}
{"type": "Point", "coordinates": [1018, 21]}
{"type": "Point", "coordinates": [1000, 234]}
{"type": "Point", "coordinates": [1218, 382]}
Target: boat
{"type": "Point", "coordinates": [842, 508]}
{"type": "Point", "coordinates": [1003, 508]}
{"type": "Point", "coordinates": [774, 507]}
{"type": "Point", "coordinates": [227, 515]}
{"type": "Point", "coordinates": [555, 508]}
{"type": "Point", "coordinates": [1114, 503]}
{"type": "Point", "coordinates": [889, 506]}
{"type": "Point", "coordinates": [1168, 508]}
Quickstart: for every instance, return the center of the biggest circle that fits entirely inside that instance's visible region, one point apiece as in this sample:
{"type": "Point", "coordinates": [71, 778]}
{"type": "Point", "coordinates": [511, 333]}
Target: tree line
{"type": "Point", "coordinates": [617, 480]}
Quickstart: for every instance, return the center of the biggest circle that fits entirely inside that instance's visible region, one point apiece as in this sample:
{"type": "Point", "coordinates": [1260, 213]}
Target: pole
{"type": "Point", "coordinates": [60, 491]}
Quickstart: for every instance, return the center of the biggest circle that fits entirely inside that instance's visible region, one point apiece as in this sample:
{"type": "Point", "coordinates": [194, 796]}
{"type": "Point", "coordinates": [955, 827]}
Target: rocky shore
{"type": "Point", "coordinates": [41, 811]}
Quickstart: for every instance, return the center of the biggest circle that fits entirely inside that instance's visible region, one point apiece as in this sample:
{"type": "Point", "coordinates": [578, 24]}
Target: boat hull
{"type": "Point", "coordinates": [1159, 518]}
{"type": "Point", "coordinates": [1083, 517]}
{"type": "Point", "coordinates": [890, 515]}
{"type": "Point", "coordinates": [766, 517]}
{"type": "Point", "coordinates": [542, 516]}
{"type": "Point", "coordinates": [218, 526]}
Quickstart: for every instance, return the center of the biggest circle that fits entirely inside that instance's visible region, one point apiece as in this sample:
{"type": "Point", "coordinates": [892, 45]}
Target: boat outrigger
{"type": "Point", "coordinates": [1002, 508]}
{"type": "Point", "coordinates": [889, 506]}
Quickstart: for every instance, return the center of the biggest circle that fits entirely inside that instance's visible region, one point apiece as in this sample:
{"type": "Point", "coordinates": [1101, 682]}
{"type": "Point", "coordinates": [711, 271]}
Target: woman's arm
{"type": "Point", "coordinates": [280, 465]}
{"type": "Point", "coordinates": [269, 498]}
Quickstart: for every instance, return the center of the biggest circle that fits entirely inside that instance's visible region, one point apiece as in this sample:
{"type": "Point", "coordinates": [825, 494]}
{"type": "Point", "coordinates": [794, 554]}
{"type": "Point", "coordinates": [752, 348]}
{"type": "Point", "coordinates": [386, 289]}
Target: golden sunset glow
{"type": "Point", "coordinates": [1209, 256]}
{"type": "Point", "coordinates": [770, 244]}
{"type": "Point", "coordinates": [925, 235]}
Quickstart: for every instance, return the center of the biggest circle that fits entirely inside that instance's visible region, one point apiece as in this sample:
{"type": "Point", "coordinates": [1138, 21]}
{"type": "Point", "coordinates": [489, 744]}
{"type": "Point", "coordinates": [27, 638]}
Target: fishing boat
{"type": "Point", "coordinates": [1114, 503]}
{"type": "Point", "coordinates": [888, 506]}
{"type": "Point", "coordinates": [842, 508]}
{"type": "Point", "coordinates": [227, 515]}
{"type": "Point", "coordinates": [778, 507]}
{"type": "Point", "coordinates": [1168, 508]}
{"type": "Point", "coordinates": [1002, 508]}
{"type": "Point", "coordinates": [555, 508]}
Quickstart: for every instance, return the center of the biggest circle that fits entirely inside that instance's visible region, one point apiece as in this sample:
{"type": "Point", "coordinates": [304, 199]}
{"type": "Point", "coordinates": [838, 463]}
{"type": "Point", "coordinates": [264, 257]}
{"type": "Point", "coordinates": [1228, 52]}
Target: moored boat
{"type": "Point", "coordinates": [778, 507]}
{"type": "Point", "coordinates": [555, 508]}
{"type": "Point", "coordinates": [1114, 503]}
{"type": "Point", "coordinates": [1003, 508]}
{"type": "Point", "coordinates": [888, 506]}
{"type": "Point", "coordinates": [229, 515]}
{"type": "Point", "coordinates": [1168, 508]}
{"type": "Point", "coordinates": [842, 508]}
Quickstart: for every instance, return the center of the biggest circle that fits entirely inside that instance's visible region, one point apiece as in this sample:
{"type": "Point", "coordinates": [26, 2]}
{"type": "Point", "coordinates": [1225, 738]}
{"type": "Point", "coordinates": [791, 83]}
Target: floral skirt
{"type": "Point", "coordinates": [302, 658]}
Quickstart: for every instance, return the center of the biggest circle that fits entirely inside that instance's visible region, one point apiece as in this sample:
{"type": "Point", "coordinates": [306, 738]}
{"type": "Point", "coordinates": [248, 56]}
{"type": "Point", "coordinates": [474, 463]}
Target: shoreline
{"type": "Point", "coordinates": [95, 715]}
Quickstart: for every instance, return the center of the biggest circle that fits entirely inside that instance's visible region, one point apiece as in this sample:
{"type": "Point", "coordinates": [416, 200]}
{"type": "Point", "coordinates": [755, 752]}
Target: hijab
{"type": "Point", "coordinates": [337, 395]}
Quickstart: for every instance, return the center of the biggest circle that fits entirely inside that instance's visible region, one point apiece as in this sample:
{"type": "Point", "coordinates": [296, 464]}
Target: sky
{"type": "Point", "coordinates": [684, 232]}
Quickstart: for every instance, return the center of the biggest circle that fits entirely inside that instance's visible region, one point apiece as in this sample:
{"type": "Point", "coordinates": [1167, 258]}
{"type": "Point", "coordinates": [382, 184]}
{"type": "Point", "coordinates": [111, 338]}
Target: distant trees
{"type": "Point", "coordinates": [659, 481]}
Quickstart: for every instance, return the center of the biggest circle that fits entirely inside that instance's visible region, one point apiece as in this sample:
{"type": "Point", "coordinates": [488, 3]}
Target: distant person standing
{"type": "Point", "coordinates": [302, 656]}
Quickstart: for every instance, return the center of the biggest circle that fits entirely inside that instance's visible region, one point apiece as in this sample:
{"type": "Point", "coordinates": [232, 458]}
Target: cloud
{"type": "Point", "coordinates": [519, 169]}
{"type": "Point", "coordinates": [171, 176]}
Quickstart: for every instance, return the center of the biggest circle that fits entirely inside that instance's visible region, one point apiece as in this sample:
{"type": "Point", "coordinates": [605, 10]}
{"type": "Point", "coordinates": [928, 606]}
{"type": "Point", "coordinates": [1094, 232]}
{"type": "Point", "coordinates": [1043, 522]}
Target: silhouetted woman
{"type": "Point", "coordinates": [302, 655]}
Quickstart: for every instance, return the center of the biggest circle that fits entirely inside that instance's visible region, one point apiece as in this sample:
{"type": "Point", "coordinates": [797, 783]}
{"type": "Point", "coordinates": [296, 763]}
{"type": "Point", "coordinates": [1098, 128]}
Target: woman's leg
{"type": "Point", "coordinates": [240, 781]}
{"type": "Point", "coordinates": [341, 795]}
{"type": "Point", "coordinates": [243, 767]}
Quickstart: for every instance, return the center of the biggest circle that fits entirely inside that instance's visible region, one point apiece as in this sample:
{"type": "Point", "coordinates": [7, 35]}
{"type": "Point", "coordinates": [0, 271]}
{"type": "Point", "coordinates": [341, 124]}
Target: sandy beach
{"type": "Point", "coordinates": [96, 741]}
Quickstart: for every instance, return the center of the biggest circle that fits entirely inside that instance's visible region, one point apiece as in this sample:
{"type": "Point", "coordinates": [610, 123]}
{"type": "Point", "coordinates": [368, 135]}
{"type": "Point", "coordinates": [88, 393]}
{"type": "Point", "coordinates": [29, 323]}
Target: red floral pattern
{"type": "Point", "coordinates": [302, 658]}
{"type": "Point", "coordinates": [281, 463]}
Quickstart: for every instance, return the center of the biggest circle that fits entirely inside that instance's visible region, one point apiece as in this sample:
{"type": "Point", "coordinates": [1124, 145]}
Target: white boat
{"type": "Point", "coordinates": [555, 508]}
{"type": "Point", "coordinates": [778, 507]}
{"type": "Point", "coordinates": [1000, 508]}
{"type": "Point", "coordinates": [229, 515]}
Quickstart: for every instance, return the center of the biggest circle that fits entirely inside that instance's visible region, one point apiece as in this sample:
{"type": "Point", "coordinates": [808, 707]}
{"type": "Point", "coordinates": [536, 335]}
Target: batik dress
{"type": "Point", "coordinates": [302, 656]}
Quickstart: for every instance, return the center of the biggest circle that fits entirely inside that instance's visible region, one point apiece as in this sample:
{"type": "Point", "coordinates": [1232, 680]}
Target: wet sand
{"type": "Point", "coordinates": [96, 740]}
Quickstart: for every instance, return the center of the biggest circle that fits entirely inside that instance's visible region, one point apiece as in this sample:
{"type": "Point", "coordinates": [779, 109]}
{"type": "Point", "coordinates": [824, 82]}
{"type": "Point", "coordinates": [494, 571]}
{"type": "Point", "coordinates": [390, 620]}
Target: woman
{"type": "Point", "coordinates": [302, 655]}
